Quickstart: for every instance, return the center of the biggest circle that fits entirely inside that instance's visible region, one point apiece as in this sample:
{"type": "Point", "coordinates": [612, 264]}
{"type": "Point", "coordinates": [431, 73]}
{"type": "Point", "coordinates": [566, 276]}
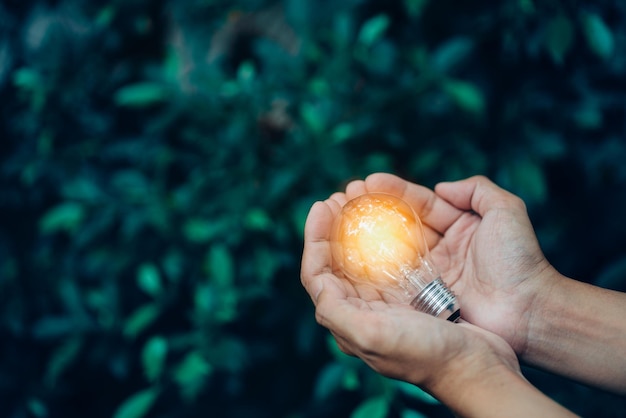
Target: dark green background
{"type": "Point", "coordinates": [158, 159]}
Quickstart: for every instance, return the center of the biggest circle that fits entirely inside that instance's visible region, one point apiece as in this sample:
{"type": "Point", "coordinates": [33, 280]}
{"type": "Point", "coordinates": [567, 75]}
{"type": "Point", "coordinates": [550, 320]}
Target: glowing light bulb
{"type": "Point", "coordinates": [378, 240]}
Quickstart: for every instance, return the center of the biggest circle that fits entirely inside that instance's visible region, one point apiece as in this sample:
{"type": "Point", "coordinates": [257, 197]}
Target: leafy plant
{"type": "Point", "coordinates": [159, 159]}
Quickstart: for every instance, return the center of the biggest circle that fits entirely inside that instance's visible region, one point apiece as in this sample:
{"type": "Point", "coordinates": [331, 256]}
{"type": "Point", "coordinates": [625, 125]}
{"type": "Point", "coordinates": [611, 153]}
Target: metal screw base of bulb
{"type": "Point", "coordinates": [437, 300]}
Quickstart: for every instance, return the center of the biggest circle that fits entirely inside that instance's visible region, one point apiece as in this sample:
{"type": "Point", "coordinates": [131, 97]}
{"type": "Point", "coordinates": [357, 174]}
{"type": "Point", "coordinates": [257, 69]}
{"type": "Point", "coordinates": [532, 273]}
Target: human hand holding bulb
{"type": "Point", "coordinates": [481, 240]}
{"type": "Point", "coordinates": [373, 326]}
{"type": "Point", "coordinates": [471, 370]}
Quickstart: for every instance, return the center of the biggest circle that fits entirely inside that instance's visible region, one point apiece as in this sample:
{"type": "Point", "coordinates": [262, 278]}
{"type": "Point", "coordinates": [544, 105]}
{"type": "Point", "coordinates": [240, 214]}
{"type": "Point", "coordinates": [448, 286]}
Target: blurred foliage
{"type": "Point", "coordinates": [159, 158]}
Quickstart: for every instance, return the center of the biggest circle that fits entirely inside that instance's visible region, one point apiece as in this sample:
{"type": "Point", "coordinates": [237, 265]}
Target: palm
{"type": "Point", "coordinates": [485, 260]}
{"type": "Point", "coordinates": [436, 340]}
{"type": "Point", "coordinates": [489, 261]}
{"type": "Point", "coordinates": [375, 331]}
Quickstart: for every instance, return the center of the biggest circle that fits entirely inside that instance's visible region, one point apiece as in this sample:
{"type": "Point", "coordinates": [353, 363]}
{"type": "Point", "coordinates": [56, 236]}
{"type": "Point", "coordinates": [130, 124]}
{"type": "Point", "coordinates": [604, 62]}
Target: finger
{"type": "Point", "coordinates": [348, 319]}
{"type": "Point", "coordinates": [355, 188]}
{"type": "Point", "coordinates": [332, 307]}
{"type": "Point", "coordinates": [434, 212]}
{"type": "Point", "coordinates": [479, 194]}
{"type": "Point", "coordinates": [316, 267]}
{"type": "Point", "coordinates": [336, 201]}
{"type": "Point", "coordinates": [316, 256]}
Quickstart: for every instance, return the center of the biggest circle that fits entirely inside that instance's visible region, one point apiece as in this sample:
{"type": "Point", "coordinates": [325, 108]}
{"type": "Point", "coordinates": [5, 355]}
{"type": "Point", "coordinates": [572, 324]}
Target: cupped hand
{"type": "Point", "coordinates": [480, 238]}
{"type": "Point", "coordinates": [393, 339]}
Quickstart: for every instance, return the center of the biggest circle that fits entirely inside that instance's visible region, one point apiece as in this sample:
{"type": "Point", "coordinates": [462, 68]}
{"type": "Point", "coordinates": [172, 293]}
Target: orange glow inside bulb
{"type": "Point", "coordinates": [376, 239]}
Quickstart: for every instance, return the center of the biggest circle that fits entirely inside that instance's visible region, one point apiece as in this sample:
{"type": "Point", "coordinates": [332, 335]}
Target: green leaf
{"type": "Point", "coordinates": [199, 230]}
{"type": "Point", "coordinates": [373, 29]}
{"type": "Point", "coordinates": [246, 72]}
{"type": "Point", "coordinates": [204, 297]}
{"type": "Point", "coordinates": [598, 35]}
{"type": "Point", "coordinates": [37, 408]}
{"type": "Point", "coordinates": [137, 405]}
{"type": "Point", "coordinates": [27, 78]}
{"type": "Point", "coordinates": [334, 378]}
{"type": "Point", "coordinates": [226, 309]}
{"type": "Point", "coordinates": [545, 144]}
{"type": "Point", "coordinates": [30, 81]}
{"type": "Point", "coordinates": [173, 265]}
{"type": "Point", "coordinates": [313, 117]}
{"type": "Point", "coordinates": [343, 30]}
{"type": "Point", "coordinates": [192, 367]}
{"type": "Point", "coordinates": [132, 184]}
{"type": "Point", "coordinates": [139, 95]}
{"type": "Point", "coordinates": [149, 279]}
{"type": "Point", "coordinates": [408, 413]}
{"type": "Point", "coordinates": [83, 189]}
{"type": "Point", "coordinates": [415, 392]}
{"type": "Point", "coordinates": [527, 6]}
{"type": "Point", "coordinates": [589, 116]}
{"type": "Point", "coordinates": [319, 87]}
{"type": "Point", "coordinates": [66, 216]}
{"type": "Point", "coordinates": [451, 54]}
{"type": "Point", "coordinates": [220, 266]}
{"type": "Point", "coordinates": [415, 7]}
{"type": "Point", "coordinates": [559, 38]}
{"type": "Point", "coordinates": [140, 319]}
{"type": "Point", "coordinates": [329, 381]}
{"type": "Point", "coordinates": [61, 359]}
{"type": "Point", "coordinates": [342, 132]}
{"type": "Point", "coordinates": [230, 354]}
{"type": "Point", "coordinates": [267, 263]}
{"type": "Point", "coordinates": [381, 58]}
{"type": "Point", "coordinates": [372, 408]}
{"type": "Point", "coordinates": [257, 219]}
{"type": "Point", "coordinates": [105, 16]}
{"type": "Point", "coordinates": [45, 143]}
{"type": "Point", "coordinates": [153, 357]}
{"type": "Point", "coordinates": [351, 379]}
{"type": "Point", "coordinates": [229, 89]}
{"type": "Point", "coordinates": [172, 65]}
{"type": "Point", "coordinates": [339, 355]}
{"type": "Point", "coordinates": [191, 373]}
{"type": "Point", "coordinates": [378, 162]}
{"type": "Point", "coordinates": [466, 95]}
{"type": "Point", "coordinates": [425, 161]}
{"type": "Point", "coordinates": [525, 178]}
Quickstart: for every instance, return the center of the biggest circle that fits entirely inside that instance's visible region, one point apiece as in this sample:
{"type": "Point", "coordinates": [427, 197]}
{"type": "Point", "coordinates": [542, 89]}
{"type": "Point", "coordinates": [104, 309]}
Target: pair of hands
{"type": "Point", "coordinates": [484, 245]}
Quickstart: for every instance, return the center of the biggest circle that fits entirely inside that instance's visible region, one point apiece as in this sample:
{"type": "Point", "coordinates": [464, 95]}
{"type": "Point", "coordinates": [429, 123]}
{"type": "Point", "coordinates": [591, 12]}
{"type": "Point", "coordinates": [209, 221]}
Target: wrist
{"type": "Point", "coordinates": [465, 372]}
{"type": "Point", "coordinates": [543, 289]}
{"type": "Point", "coordinates": [482, 386]}
{"type": "Point", "coordinates": [471, 387]}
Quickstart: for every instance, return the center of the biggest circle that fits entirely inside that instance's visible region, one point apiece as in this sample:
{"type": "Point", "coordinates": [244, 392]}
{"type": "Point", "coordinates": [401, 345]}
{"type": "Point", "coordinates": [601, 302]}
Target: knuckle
{"type": "Point", "coordinates": [516, 202]}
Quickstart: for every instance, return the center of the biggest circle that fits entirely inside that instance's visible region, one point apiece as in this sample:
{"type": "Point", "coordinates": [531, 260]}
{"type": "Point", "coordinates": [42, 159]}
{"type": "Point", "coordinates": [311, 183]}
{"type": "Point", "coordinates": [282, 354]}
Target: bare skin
{"type": "Point", "coordinates": [509, 288]}
{"type": "Point", "coordinates": [512, 301]}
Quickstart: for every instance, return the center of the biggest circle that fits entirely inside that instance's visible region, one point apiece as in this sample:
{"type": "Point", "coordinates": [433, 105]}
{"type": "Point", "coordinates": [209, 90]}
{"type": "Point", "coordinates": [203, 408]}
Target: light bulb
{"type": "Point", "coordinates": [378, 240]}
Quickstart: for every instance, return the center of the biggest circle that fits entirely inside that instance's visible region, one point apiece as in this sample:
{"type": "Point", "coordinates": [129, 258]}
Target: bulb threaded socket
{"type": "Point", "coordinates": [437, 300]}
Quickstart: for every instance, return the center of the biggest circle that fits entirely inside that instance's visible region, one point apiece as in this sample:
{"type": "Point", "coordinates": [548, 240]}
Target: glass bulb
{"type": "Point", "coordinates": [378, 240]}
